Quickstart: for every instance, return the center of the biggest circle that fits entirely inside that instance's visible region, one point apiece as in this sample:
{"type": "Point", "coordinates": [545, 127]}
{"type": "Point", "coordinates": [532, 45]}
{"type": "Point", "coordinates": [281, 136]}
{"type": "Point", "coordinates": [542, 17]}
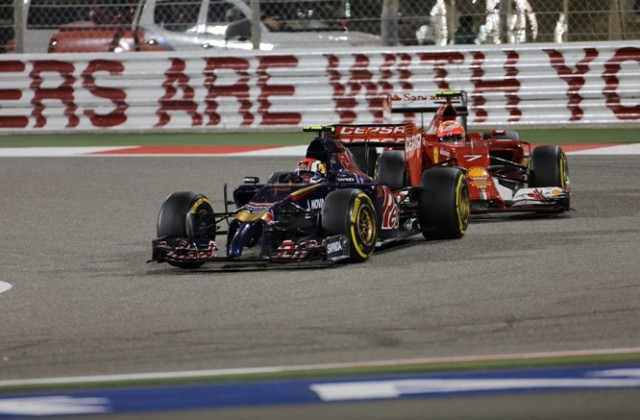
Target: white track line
{"type": "Point", "coordinates": [276, 151]}
{"type": "Point", "coordinates": [621, 149]}
{"type": "Point", "coordinates": [13, 152]}
{"type": "Point", "coordinates": [210, 373]}
{"type": "Point", "coordinates": [4, 286]}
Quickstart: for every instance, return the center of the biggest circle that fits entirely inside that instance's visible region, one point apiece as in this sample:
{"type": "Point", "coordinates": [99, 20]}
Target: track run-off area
{"type": "Point", "coordinates": [76, 234]}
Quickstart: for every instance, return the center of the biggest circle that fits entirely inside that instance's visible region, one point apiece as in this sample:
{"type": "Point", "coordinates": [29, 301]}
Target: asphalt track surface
{"type": "Point", "coordinates": [75, 234]}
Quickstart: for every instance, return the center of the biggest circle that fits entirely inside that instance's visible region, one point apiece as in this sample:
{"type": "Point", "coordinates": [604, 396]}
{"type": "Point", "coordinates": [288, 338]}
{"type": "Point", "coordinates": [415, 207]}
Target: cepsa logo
{"type": "Point", "coordinates": [364, 131]}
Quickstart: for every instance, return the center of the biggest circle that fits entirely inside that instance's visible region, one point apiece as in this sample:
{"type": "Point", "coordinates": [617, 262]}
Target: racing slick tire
{"type": "Point", "coordinates": [365, 157]}
{"type": "Point", "coordinates": [186, 215]}
{"type": "Point", "coordinates": [443, 203]}
{"type": "Point", "coordinates": [548, 167]}
{"type": "Point", "coordinates": [391, 169]}
{"type": "Point", "coordinates": [350, 212]}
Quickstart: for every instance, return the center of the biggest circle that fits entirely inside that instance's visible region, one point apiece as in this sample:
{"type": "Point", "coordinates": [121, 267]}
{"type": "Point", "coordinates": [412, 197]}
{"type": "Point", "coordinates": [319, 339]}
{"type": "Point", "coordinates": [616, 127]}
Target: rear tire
{"type": "Point", "coordinates": [548, 167]}
{"type": "Point", "coordinates": [443, 203]}
{"type": "Point", "coordinates": [186, 215]}
{"type": "Point", "coordinates": [350, 212]}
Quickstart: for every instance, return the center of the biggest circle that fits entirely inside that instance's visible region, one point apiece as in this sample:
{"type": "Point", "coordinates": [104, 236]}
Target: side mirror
{"type": "Point", "coordinates": [251, 180]}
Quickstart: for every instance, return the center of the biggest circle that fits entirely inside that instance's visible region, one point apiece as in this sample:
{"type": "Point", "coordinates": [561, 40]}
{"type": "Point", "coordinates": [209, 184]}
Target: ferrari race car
{"type": "Point", "coordinates": [327, 209]}
{"type": "Point", "coordinates": [504, 173]}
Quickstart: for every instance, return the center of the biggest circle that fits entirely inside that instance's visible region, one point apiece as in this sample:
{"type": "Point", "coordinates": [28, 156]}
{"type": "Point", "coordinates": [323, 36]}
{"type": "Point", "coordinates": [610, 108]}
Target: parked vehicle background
{"type": "Point", "coordinates": [413, 22]}
{"type": "Point", "coordinates": [206, 24]}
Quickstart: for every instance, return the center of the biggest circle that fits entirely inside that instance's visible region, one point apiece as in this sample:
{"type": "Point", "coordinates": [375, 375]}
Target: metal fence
{"type": "Point", "coordinates": [30, 25]}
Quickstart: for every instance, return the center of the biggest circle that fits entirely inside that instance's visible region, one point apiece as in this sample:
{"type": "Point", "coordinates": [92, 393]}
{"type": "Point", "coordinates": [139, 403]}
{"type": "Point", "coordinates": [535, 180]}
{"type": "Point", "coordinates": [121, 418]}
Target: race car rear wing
{"type": "Point", "coordinates": [445, 104]}
{"type": "Point", "coordinates": [407, 102]}
{"type": "Point", "coordinates": [377, 135]}
{"type": "Point", "coordinates": [429, 103]}
{"type": "Point", "coordinates": [383, 135]}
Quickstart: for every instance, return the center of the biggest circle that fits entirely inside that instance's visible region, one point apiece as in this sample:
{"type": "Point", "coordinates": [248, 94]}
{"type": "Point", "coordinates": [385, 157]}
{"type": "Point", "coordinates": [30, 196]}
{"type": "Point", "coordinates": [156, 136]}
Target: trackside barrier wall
{"type": "Point", "coordinates": [508, 85]}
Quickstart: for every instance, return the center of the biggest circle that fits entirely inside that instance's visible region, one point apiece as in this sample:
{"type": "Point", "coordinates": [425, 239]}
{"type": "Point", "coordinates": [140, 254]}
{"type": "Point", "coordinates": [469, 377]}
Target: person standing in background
{"type": "Point", "coordinates": [438, 18]}
{"type": "Point", "coordinates": [521, 13]}
{"type": "Point", "coordinates": [490, 30]}
{"type": "Point", "coordinates": [561, 29]}
{"type": "Point", "coordinates": [465, 33]}
{"type": "Point", "coordinates": [436, 31]}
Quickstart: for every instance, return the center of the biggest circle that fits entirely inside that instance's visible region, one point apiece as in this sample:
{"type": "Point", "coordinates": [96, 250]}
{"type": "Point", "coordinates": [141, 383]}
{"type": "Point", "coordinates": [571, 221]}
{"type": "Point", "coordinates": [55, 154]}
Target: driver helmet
{"type": "Point", "coordinates": [312, 170]}
{"type": "Point", "coordinates": [450, 131]}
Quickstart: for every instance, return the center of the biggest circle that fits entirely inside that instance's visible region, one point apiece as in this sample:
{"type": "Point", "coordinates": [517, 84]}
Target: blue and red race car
{"type": "Point", "coordinates": [328, 209]}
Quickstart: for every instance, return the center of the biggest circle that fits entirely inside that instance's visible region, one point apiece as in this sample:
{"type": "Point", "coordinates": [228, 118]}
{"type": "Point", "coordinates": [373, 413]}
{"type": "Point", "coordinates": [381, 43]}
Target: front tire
{"type": "Point", "coordinates": [186, 215]}
{"type": "Point", "coordinates": [350, 212]}
{"type": "Point", "coordinates": [548, 167]}
{"type": "Point", "coordinates": [443, 203]}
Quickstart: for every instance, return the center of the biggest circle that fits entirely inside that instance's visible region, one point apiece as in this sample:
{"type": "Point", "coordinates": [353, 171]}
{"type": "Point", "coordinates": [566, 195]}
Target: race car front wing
{"type": "Point", "coordinates": [331, 249]}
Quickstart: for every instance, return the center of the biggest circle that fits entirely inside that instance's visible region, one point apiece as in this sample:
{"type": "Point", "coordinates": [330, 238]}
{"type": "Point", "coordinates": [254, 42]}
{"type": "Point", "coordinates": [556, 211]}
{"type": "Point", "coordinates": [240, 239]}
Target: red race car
{"type": "Point", "coordinates": [503, 172]}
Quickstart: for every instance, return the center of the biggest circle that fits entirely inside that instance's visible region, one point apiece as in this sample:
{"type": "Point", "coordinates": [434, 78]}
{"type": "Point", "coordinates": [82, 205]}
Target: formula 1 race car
{"type": "Point", "coordinates": [504, 173]}
{"type": "Point", "coordinates": [327, 209]}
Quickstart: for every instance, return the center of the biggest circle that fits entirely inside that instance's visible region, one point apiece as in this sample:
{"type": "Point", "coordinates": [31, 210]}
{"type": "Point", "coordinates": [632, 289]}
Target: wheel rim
{"type": "Point", "coordinates": [202, 219]}
{"type": "Point", "coordinates": [463, 205]}
{"type": "Point", "coordinates": [365, 225]}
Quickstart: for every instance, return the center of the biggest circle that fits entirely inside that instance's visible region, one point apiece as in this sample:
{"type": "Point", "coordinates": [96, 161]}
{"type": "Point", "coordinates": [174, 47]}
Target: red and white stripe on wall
{"type": "Point", "coordinates": [526, 85]}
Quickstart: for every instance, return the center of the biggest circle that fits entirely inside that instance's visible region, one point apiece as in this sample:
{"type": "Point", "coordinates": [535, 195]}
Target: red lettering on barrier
{"type": "Point", "coordinates": [344, 104]}
{"type": "Point", "coordinates": [63, 92]}
{"type": "Point", "coordinates": [378, 100]}
{"type": "Point", "coordinates": [117, 96]}
{"type": "Point", "coordinates": [344, 93]}
{"type": "Point", "coordinates": [176, 78]}
{"type": "Point", "coordinates": [238, 90]}
{"type": "Point", "coordinates": [573, 77]}
{"type": "Point", "coordinates": [361, 81]}
{"type": "Point", "coordinates": [509, 85]}
{"type": "Point", "coordinates": [402, 62]}
{"type": "Point", "coordinates": [12, 121]}
{"type": "Point", "coordinates": [612, 84]}
{"type": "Point", "coordinates": [440, 60]}
{"type": "Point", "coordinates": [267, 90]}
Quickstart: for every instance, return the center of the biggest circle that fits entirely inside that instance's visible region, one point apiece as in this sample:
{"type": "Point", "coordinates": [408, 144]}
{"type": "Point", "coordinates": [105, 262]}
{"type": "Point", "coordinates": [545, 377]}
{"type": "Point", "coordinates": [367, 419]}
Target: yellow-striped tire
{"type": "Point", "coordinates": [444, 208]}
{"type": "Point", "coordinates": [548, 167]}
{"type": "Point", "coordinates": [350, 212]}
{"type": "Point", "coordinates": [186, 215]}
